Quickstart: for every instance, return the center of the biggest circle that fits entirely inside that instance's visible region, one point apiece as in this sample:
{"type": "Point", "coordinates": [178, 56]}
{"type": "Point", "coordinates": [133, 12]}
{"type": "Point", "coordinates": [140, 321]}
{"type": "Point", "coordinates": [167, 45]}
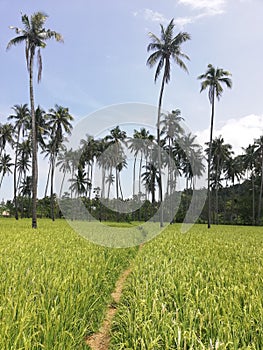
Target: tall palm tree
{"type": "Point", "coordinates": [89, 148]}
{"type": "Point", "coordinates": [191, 158]}
{"type": "Point", "coordinates": [116, 139]}
{"type": "Point", "coordinates": [150, 177]}
{"type": "Point", "coordinates": [21, 126]}
{"type": "Point", "coordinates": [6, 136]}
{"type": "Point", "coordinates": [220, 155]}
{"type": "Point", "coordinates": [23, 161]}
{"type": "Point", "coordinates": [79, 183]}
{"type": "Point", "coordinates": [5, 166]}
{"type": "Point", "coordinates": [212, 79]}
{"type": "Point", "coordinates": [59, 123]}
{"type": "Point", "coordinates": [110, 181]}
{"type": "Point", "coordinates": [234, 170]}
{"type": "Point", "coordinates": [138, 144]}
{"type": "Point", "coordinates": [63, 162]}
{"type": "Point", "coordinates": [25, 188]}
{"type": "Point", "coordinates": [35, 37]}
{"type": "Point", "coordinates": [172, 130]}
{"type": "Point", "coordinates": [249, 162]}
{"type": "Point", "coordinates": [166, 48]}
{"type": "Point", "coordinates": [259, 154]}
{"type": "Point", "coordinates": [42, 126]}
{"type": "Point", "coordinates": [135, 147]}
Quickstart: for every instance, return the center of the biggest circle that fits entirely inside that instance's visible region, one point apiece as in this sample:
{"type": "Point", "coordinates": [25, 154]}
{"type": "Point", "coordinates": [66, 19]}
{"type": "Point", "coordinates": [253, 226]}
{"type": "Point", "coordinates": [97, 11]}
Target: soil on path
{"type": "Point", "coordinates": [101, 339]}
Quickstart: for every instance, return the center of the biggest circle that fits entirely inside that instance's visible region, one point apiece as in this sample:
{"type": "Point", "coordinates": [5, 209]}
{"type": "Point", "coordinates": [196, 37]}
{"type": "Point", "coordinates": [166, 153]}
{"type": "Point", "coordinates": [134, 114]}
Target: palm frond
{"type": "Point", "coordinates": [16, 41]}
{"type": "Point", "coordinates": [180, 38]}
{"type": "Point", "coordinates": [26, 22]}
{"type": "Point", "coordinates": [155, 40]}
{"type": "Point", "coordinates": [152, 60]}
{"type": "Point", "coordinates": [168, 34]}
{"type": "Point", "coordinates": [227, 81]}
{"type": "Point", "coordinates": [38, 20]}
{"type": "Point", "coordinates": [180, 63]}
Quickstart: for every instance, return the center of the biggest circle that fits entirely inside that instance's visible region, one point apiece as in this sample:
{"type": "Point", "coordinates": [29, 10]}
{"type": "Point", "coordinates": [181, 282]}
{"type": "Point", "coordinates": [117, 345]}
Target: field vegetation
{"type": "Point", "coordinates": [54, 285]}
{"type": "Point", "coordinates": [196, 290]}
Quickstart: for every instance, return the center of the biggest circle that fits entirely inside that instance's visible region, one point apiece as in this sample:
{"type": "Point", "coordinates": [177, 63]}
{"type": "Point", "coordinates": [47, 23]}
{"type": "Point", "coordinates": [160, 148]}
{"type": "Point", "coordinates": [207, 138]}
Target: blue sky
{"type": "Point", "coordinates": [103, 59]}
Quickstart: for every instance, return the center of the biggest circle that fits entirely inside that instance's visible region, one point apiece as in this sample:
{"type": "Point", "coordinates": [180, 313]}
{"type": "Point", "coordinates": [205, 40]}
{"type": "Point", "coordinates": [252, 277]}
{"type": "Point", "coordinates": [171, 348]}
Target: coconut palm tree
{"type": "Point", "coordinates": [191, 158]}
{"type": "Point", "coordinates": [213, 79]}
{"type": "Point", "coordinates": [42, 127]}
{"type": "Point", "coordinates": [59, 123]}
{"type": "Point", "coordinates": [23, 161]}
{"type": "Point", "coordinates": [21, 126]}
{"type": "Point", "coordinates": [35, 36]}
{"type": "Point", "coordinates": [135, 147]}
{"type": "Point", "coordinates": [259, 155]}
{"type": "Point", "coordinates": [63, 162]}
{"type": "Point", "coordinates": [89, 149]}
{"type": "Point", "coordinates": [165, 49]}
{"type": "Point", "coordinates": [110, 181]}
{"type": "Point", "coordinates": [234, 169]}
{"type": "Point", "coordinates": [138, 145]}
{"type": "Point", "coordinates": [79, 183]}
{"type": "Point", "coordinates": [116, 139]}
{"type": "Point", "coordinates": [220, 154]}
{"type": "Point", "coordinates": [249, 163]}
{"type": "Point", "coordinates": [5, 166]}
{"type": "Point", "coordinates": [151, 177]}
{"type": "Point", "coordinates": [172, 130]}
{"type": "Point", "coordinates": [6, 136]}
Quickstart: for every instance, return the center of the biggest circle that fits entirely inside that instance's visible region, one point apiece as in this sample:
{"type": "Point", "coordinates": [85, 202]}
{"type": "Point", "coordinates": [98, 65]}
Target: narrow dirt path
{"type": "Point", "coordinates": [101, 339]}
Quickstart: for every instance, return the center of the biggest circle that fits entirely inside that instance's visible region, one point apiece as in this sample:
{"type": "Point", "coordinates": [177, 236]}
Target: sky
{"type": "Point", "coordinates": [102, 61]}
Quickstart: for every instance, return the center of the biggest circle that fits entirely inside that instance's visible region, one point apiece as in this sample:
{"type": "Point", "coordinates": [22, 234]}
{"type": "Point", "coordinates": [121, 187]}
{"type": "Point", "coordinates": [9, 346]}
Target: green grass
{"type": "Point", "coordinates": [199, 290]}
{"type": "Point", "coordinates": [54, 285]}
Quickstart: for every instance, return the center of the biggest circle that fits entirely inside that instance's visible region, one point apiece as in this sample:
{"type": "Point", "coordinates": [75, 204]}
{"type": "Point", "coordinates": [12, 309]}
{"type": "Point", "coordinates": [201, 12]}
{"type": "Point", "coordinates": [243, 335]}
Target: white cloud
{"type": "Point", "coordinates": [209, 7]}
{"type": "Point", "coordinates": [180, 22]}
{"type": "Point", "coordinates": [150, 15]}
{"type": "Point", "coordinates": [238, 132]}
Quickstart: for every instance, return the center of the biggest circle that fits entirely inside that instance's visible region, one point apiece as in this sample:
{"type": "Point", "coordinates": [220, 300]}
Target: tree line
{"type": "Point", "coordinates": [182, 158]}
{"type": "Point", "coordinates": [34, 130]}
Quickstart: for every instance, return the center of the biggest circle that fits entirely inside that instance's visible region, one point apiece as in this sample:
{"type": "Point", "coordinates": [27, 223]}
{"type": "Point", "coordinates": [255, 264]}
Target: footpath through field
{"type": "Point", "coordinates": [101, 339]}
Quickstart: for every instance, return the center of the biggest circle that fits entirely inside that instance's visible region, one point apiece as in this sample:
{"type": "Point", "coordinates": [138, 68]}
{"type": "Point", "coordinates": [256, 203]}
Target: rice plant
{"type": "Point", "coordinates": [54, 285]}
{"type": "Point", "coordinates": [197, 290]}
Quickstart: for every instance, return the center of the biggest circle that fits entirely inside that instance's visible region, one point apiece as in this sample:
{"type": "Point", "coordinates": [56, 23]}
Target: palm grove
{"type": "Point", "coordinates": [235, 182]}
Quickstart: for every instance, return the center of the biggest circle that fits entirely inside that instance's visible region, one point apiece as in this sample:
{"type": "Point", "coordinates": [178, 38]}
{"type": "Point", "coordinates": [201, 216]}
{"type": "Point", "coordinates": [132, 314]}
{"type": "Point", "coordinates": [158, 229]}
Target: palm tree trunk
{"type": "Point", "coordinates": [209, 161]}
{"type": "Point", "coordinates": [2, 177]}
{"type": "Point", "coordinates": [260, 192]}
{"type": "Point", "coordinates": [15, 174]}
{"type": "Point", "coordinates": [217, 187]}
{"type": "Point", "coordinates": [48, 176]}
{"type": "Point", "coordinates": [253, 198]}
{"type": "Point", "coordinates": [134, 170]}
{"type": "Point", "coordinates": [140, 174]}
{"type": "Point", "coordinates": [53, 160]}
{"type": "Point", "coordinates": [120, 186]}
{"type": "Point", "coordinates": [117, 195]}
{"type": "Point", "coordinates": [62, 184]}
{"type": "Point", "coordinates": [103, 182]}
{"type": "Point", "coordinates": [159, 150]}
{"type": "Point", "coordinates": [109, 185]}
{"type": "Point", "coordinates": [34, 144]}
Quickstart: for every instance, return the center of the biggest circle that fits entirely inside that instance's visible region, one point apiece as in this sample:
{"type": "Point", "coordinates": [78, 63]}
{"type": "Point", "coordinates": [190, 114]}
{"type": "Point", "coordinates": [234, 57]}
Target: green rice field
{"type": "Point", "coordinates": [198, 290]}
